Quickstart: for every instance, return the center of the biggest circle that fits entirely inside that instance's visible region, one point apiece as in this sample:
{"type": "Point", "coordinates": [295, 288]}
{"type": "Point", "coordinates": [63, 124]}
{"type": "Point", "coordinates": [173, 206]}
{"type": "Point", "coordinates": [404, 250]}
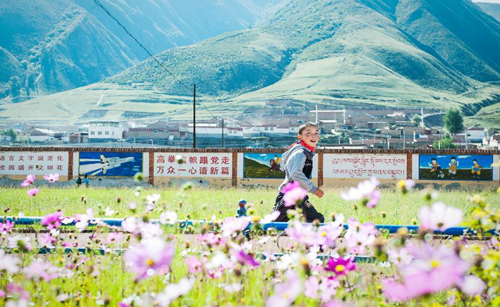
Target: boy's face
{"type": "Point", "coordinates": [310, 136]}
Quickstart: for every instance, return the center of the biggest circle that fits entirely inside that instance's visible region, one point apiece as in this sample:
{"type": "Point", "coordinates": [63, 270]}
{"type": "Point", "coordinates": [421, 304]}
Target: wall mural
{"type": "Point", "coordinates": [456, 167]}
{"type": "Point", "coordinates": [118, 164]}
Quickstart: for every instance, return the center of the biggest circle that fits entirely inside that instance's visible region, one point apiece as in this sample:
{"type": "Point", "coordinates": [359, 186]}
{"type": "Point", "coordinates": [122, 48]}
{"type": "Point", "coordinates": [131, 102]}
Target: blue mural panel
{"type": "Point", "coordinates": [117, 164]}
{"type": "Point", "coordinates": [456, 167]}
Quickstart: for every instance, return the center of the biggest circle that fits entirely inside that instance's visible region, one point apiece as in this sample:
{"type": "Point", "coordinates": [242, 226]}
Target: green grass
{"type": "Point", "coordinates": [204, 203]}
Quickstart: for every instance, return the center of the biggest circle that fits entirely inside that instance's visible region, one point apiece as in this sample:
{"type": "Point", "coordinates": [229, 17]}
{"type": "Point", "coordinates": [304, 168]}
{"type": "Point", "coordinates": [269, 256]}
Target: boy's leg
{"type": "Point", "coordinates": [310, 212]}
{"type": "Point", "coordinates": [280, 206]}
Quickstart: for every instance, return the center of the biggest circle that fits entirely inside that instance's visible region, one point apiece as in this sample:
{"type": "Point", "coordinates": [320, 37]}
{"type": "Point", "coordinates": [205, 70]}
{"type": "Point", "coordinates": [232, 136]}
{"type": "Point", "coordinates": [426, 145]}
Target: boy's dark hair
{"type": "Point", "coordinates": [474, 160]}
{"type": "Point", "coordinates": [304, 126]}
{"type": "Point", "coordinates": [433, 159]}
{"type": "Point", "coordinates": [85, 176]}
{"type": "Point", "coordinates": [453, 158]}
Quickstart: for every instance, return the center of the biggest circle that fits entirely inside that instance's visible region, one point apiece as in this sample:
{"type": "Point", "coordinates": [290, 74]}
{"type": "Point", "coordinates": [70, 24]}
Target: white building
{"type": "Point", "coordinates": [105, 131]}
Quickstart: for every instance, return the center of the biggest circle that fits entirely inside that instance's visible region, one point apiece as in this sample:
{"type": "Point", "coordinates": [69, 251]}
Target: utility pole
{"type": "Point", "coordinates": [194, 117]}
{"type": "Point", "coordinates": [223, 133]}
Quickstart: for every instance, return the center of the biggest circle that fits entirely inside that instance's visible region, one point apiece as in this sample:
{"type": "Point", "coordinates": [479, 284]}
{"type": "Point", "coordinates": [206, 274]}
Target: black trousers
{"type": "Point", "coordinates": [308, 210]}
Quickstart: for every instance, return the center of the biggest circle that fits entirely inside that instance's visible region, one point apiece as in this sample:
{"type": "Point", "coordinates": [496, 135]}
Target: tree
{"type": "Point", "coordinates": [416, 120]}
{"type": "Point", "coordinates": [15, 87]}
{"type": "Point", "coordinates": [11, 133]}
{"type": "Point", "coordinates": [446, 143]}
{"type": "Point", "coordinates": [453, 121]}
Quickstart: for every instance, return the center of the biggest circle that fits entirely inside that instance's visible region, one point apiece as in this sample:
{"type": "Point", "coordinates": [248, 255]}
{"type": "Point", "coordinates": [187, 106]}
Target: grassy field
{"type": "Point", "coordinates": [394, 208]}
{"type": "Point", "coordinates": [159, 266]}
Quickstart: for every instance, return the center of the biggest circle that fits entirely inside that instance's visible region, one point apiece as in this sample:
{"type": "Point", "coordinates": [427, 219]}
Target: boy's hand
{"type": "Point", "coordinates": [319, 193]}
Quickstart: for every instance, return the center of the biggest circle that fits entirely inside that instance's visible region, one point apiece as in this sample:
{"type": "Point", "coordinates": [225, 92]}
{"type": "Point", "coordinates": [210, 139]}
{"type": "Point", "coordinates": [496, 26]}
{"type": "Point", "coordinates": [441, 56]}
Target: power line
{"type": "Point", "coordinates": [149, 53]}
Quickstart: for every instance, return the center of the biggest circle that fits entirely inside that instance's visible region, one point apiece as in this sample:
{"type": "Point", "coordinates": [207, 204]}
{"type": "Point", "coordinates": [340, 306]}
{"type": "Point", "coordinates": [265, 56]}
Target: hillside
{"type": "Point", "coordinates": [366, 53]}
{"type": "Point", "coordinates": [492, 9]}
{"type": "Point", "coordinates": [56, 45]}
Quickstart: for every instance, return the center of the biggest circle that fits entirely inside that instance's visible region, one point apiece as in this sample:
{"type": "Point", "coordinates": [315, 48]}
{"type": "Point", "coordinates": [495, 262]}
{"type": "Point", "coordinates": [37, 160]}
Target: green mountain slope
{"type": "Point", "coordinates": [391, 53]}
{"type": "Point", "coordinates": [492, 9]}
{"type": "Point", "coordinates": [63, 44]}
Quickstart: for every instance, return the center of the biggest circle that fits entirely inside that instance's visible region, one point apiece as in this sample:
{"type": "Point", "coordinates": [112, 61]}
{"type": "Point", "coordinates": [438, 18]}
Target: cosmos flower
{"type": "Point", "coordinates": [40, 270]}
{"type": "Point", "coordinates": [53, 220]}
{"type": "Point", "coordinates": [432, 270]}
{"type": "Point", "coordinates": [8, 263]}
{"type": "Point", "coordinates": [51, 177]}
{"type": "Point", "coordinates": [33, 192]}
{"type": "Point", "coordinates": [6, 227]}
{"type": "Point", "coordinates": [246, 259]}
{"type": "Point", "coordinates": [366, 192]}
{"type": "Point", "coordinates": [231, 225]}
{"type": "Point", "coordinates": [168, 218]}
{"type": "Point", "coordinates": [439, 217]}
{"type": "Point", "coordinates": [287, 292]}
{"type": "Point", "coordinates": [194, 265]}
{"type": "Point", "coordinates": [30, 179]}
{"type": "Point", "coordinates": [151, 257]}
{"type": "Point", "coordinates": [340, 266]}
{"type": "Point", "coordinates": [294, 194]}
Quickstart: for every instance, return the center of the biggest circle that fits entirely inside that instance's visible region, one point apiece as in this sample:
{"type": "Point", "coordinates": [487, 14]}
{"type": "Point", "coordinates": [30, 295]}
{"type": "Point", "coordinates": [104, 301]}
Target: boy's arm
{"type": "Point", "coordinates": [294, 166]}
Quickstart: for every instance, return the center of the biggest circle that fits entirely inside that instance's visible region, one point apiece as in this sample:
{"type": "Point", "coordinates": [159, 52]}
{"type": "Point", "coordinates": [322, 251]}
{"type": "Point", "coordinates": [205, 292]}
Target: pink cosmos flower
{"type": "Point", "coordinates": [53, 220]}
{"type": "Point", "coordinates": [38, 269]}
{"type": "Point", "coordinates": [328, 233]}
{"type": "Point", "coordinates": [6, 227]}
{"type": "Point", "coordinates": [113, 237]}
{"type": "Point", "coordinates": [359, 237]}
{"type": "Point", "coordinates": [51, 177]}
{"type": "Point", "coordinates": [366, 192]}
{"type": "Point", "coordinates": [17, 290]}
{"type": "Point", "coordinates": [30, 179]}
{"type": "Point", "coordinates": [150, 257]}
{"type": "Point", "coordinates": [232, 225]}
{"type": "Point", "coordinates": [47, 240]}
{"type": "Point", "coordinates": [302, 233]}
{"type": "Point", "coordinates": [340, 266]}
{"type": "Point", "coordinates": [432, 270]}
{"type": "Point", "coordinates": [33, 192]}
{"type": "Point", "coordinates": [83, 220]}
{"type": "Point", "coordinates": [439, 217]}
{"type": "Point", "coordinates": [399, 257]}
{"type": "Point", "coordinates": [286, 293]}
{"type": "Point", "coordinates": [211, 239]}
{"type": "Point", "coordinates": [246, 259]}
{"type": "Point", "coordinates": [294, 194]}
{"type": "Point", "coordinates": [194, 265]}
{"type": "Point", "coordinates": [8, 263]}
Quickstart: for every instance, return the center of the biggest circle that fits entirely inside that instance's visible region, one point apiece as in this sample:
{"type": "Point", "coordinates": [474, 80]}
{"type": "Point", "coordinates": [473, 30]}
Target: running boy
{"type": "Point", "coordinates": [297, 163]}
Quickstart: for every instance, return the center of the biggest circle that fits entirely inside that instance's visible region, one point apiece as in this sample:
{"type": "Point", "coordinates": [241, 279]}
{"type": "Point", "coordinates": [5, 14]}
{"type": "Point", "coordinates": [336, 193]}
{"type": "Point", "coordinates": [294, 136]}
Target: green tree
{"type": "Point", "coordinates": [453, 121]}
{"type": "Point", "coordinates": [446, 143]}
{"type": "Point", "coordinates": [416, 120]}
{"type": "Point", "coordinates": [11, 133]}
{"type": "Point", "coordinates": [15, 87]}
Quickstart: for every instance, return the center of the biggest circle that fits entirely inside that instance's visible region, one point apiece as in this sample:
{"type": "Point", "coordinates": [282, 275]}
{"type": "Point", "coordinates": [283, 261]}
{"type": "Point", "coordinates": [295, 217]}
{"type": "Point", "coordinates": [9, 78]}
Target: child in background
{"type": "Point", "coordinates": [242, 211]}
{"type": "Point", "coordinates": [297, 163]}
{"type": "Point", "coordinates": [86, 181]}
{"type": "Point", "coordinates": [79, 181]}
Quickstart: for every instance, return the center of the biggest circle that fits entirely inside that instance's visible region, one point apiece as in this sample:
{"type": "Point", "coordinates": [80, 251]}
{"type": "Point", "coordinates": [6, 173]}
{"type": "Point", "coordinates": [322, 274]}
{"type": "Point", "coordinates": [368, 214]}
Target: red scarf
{"type": "Point", "coordinates": [307, 146]}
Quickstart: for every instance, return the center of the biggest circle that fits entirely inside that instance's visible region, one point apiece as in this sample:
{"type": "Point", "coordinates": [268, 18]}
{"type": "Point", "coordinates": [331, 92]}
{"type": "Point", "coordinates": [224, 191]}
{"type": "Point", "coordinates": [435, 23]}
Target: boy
{"type": "Point", "coordinates": [86, 181]}
{"type": "Point", "coordinates": [242, 211]}
{"type": "Point", "coordinates": [79, 181]}
{"type": "Point", "coordinates": [453, 167]}
{"type": "Point", "coordinates": [297, 163]}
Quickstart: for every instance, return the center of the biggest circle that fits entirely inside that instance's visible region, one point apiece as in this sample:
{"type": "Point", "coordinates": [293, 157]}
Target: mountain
{"type": "Point", "coordinates": [362, 53]}
{"type": "Point", "coordinates": [492, 9]}
{"type": "Point", "coordinates": [56, 45]}
{"type": "Point", "coordinates": [338, 48]}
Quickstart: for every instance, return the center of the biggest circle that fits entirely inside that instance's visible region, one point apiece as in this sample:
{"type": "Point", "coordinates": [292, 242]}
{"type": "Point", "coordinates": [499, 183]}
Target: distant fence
{"type": "Point", "coordinates": [241, 167]}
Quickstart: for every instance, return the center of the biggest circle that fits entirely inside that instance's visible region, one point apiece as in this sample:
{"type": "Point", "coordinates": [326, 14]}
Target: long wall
{"type": "Point", "coordinates": [251, 167]}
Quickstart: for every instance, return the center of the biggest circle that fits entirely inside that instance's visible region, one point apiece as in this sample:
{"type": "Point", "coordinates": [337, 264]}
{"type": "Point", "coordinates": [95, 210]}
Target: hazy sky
{"type": "Point", "coordinates": [489, 1]}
